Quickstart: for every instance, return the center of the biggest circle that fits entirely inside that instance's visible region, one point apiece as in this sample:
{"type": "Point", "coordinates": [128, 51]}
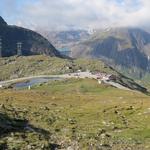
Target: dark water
{"type": "Point", "coordinates": [33, 81]}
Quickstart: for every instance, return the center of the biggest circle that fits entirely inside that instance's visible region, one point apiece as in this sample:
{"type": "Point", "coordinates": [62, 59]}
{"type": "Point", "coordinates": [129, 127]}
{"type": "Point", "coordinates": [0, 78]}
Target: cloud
{"type": "Point", "coordinates": [64, 14]}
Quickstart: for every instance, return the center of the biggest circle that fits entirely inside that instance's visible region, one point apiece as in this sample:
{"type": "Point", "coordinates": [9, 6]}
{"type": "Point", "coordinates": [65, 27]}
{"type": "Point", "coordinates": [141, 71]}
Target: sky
{"type": "Point", "coordinates": [76, 14]}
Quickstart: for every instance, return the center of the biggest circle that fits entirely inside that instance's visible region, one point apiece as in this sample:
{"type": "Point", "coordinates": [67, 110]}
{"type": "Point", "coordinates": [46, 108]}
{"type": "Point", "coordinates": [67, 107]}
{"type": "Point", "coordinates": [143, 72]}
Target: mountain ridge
{"type": "Point", "coordinates": [125, 46]}
{"type": "Point", "coordinates": [32, 43]}
{"type": "Point", "coordinates": [64, 39]}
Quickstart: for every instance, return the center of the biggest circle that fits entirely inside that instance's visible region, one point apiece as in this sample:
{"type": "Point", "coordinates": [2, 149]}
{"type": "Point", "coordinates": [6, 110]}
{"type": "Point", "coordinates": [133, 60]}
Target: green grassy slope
{"type": "Point", "coordinates": [77, 113]}
{"type": "Point", "coordinates": [15, 67]}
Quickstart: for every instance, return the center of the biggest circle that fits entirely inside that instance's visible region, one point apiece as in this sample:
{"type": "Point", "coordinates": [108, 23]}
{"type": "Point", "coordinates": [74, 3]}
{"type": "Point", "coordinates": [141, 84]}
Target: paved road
{"type": "Point", "coordinates": [65, 76]}
{"type": "Point", "coordinates": [117, 85]}
{"type": "Point", "coordinates": [70, 75]}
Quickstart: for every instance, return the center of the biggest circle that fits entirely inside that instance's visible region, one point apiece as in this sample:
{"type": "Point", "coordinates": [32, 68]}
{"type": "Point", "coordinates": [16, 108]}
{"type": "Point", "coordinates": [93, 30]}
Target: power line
{"type": "Point", "coordinates": [19, 48]}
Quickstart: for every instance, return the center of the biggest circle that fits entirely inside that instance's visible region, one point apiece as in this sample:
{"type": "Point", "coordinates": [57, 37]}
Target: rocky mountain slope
{"type": "Point", "coordinates": [32, 42]}
{"type": "Point", "coordinates": [128, 47]}
{"type": "Point", "coordinates": [64, 39]}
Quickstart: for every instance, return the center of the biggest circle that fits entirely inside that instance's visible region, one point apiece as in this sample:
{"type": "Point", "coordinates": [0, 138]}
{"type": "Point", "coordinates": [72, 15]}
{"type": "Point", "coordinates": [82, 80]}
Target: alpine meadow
{"type": "Point", "coordinates": [74, 75]}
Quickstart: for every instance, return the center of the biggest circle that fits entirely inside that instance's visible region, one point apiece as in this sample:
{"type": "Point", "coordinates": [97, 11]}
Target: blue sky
{"type": "Point", "coordinates": [64, 14]}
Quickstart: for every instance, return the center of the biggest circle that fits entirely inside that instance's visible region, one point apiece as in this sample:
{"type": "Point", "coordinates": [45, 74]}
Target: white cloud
{"type": "Point", "coordinates": [61, 14]}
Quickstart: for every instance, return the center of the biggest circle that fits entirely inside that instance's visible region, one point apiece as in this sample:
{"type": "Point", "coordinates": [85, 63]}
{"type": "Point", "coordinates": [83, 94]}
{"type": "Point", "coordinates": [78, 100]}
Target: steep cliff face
{"type": "Point", "coordinates": [125, 46]}
{"type": "Point", "coordinates": [2, 22]}
{"type": "Point", "coordinates": [32, 42]}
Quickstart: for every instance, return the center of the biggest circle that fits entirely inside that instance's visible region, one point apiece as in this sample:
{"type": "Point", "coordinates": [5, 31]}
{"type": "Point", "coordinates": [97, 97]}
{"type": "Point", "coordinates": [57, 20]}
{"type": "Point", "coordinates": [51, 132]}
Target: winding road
{"type": "Point", "coordinates": [63, 76]}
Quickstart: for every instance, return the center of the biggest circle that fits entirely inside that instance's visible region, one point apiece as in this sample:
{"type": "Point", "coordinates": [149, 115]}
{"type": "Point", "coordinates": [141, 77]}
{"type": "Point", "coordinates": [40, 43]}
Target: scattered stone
{"type": "Point", "coordinates": [130, 108]}
{"type": "Point", "coordinates": [10, 139]}
{"type": "Point", "coordinates": [53, 104]}
{"type": "Point", "coordinates": [29, 147]}
{"type": "Point", "coordinates": [72, 121]}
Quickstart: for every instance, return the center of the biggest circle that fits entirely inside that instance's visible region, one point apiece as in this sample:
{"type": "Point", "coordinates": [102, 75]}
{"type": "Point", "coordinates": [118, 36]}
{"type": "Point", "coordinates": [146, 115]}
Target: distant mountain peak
{"type": "Point", "coordinates": [2, 22]}
{"type": "Point", "coordinates": [125, 46]}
